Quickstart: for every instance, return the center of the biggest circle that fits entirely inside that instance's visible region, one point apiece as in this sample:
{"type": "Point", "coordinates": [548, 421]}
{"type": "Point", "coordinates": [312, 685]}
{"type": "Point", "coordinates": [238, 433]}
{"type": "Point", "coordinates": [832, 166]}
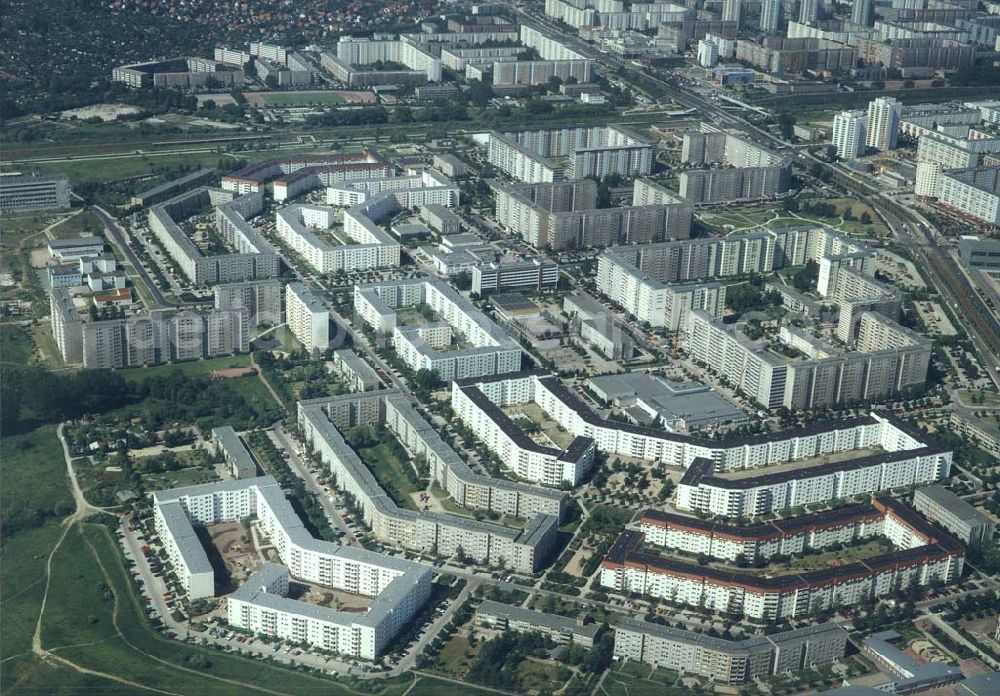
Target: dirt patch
{"type": "Point", "coordinates": [233, 372]}
{"type": "Point", "coordinates": [578, 561]}
{"type": "Point", "coordinates": [326, 597]}
{"type": "Point", "coordinates": [105, 112]}
{"type": "Point", "coordinates": [232, 541]}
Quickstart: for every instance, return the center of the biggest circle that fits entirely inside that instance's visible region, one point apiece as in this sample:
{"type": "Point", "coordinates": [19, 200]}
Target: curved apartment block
{"type": "Point", "coordinates": [322, 421]}
{"type": "Point", "coordinates": [399, 588]}
{"type": "Point", "coordinates": [899, 442]}
{"type": "Point", "coordinates": [922, 555]}
{"type": "Point", "coordinates": [252, 259]}
{"type": "Point", "coordinates": [293, 176]}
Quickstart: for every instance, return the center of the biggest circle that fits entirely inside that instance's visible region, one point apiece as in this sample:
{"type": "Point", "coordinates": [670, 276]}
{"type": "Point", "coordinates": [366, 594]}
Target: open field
{"type": "Point", "coordinates": [94, 617]}
{"type": "Point", "coordinates": [191, 367]}
{"type": "Point", "coordinates": [16, 345]}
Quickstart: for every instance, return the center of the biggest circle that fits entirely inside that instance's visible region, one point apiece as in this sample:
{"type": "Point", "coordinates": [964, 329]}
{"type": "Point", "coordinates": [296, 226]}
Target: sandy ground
{"type": "Point", "coordinates": [258, 98]}
{"type": "Point", "coordinates": [575, 565]}
{"type": "Point", "coordinates": [105, 112]}
{"type": "Point", "coordinates": [335, 599]}
{"type": "Point", "coordinates": [219, 99]}
{"type": "Point", "coordinates": [235, 547]}
{"type": "Point", "coordinates": [234, 372]}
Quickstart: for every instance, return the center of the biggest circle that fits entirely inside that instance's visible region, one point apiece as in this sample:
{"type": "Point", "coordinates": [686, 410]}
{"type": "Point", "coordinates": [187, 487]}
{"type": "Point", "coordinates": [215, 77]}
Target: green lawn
{"type": "Point", "coordinates": [617, 684]}
{"type": "Point", "coordinates": [33, 475]}
{"type": "Point", "coordinates": [302, 98]}
{"type": "Point", "coordinates": [17, 347]}
{"type": "Point", "coordinates": [538, 675]}
{"type": "Point", "coordinates": [191, 367]}
{"type": "Point", "coordinates": [181, 477]}
{"type": "Point", "coordinates": [388, 469]}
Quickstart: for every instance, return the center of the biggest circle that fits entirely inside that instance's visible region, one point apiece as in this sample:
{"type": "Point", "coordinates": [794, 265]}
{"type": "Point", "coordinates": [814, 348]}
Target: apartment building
{"type": "Point", "coordinates": [322, 421]}
{"type": "Point", "coordinates": [972, 192]}
{"type": "Point", "coordinates": [939, 152]}
{"type": "Point", "coordinates": [229, 444]}
{"type": "Point", "coordinates": [294, 176]}
{"type": "Point", "coordinates": [539, 72]}
{"type": "Point", "coordinates": [358, 374]}
{"type": "Point", "coordinates": [260, 300]}
{"type": "Point", "coordinates": [308, 318]}
{"type": "Point", "coordinates": [398, 588]}
{"type": "Point", "coordinates": [251, 257]}
{"type": "Point", "coordinates": [360, 51]}
{"type": "Point", "coordinates": [850, 130]}
{"type": "Point", "coordinates": [67, 326]}
{"type": "Point", "coordinates": [562, 630]}
{"type": "Point", "coordinates": [729, 661]}
{"type": "Point", "coordinates": [921, 556]}
{"type": "Point", "coordinates": [185, 73]}
{"type": "Point", "coordinates": [701, 491]}
{"type": "Point", "coordinates": [883, 123]}
{"type": "Point", "coordinates": [598, 327]}
{"type": "Point", "coordinates": [564, 214]}
{"type": "Point", "coordinates": [26, 193]}
{"type": "Point", "coordinates": [485, 349]}
{"type": "Point", "coordinates": [888, 361]}
{"type": "Point", "coordinates": [943, 507]}
{"type": "Point", "coordinates": [598, 151]}
{"type": "Point", "coordinates": [372, 247]}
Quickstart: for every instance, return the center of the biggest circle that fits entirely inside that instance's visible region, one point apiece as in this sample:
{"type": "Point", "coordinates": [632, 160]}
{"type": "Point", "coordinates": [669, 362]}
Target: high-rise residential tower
{"type": "Point", "coordinates": [849, 130]}
{"type": "Point", "coordinates": [883, 123]}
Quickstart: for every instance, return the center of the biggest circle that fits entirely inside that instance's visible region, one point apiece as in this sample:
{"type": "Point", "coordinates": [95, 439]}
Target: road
{"type": "Point", "coordinates": [118, 236]}
{"type": "Point", "coordinates": [281, 439]}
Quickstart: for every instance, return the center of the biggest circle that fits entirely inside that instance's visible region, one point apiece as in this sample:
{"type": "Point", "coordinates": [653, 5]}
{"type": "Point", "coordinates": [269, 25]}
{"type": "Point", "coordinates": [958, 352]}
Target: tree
{"type": "Point", "coordinates": [866, 218]}
{"type": "Point", "coordinates": [786, 125]}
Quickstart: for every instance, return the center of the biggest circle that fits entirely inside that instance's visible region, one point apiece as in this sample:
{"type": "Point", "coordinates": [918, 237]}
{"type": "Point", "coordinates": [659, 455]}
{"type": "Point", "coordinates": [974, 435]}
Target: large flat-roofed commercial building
{"type": "Point", "coordinates": [564, 214]}
{"type": "Point", "coordinates": [646, 399]}
{"type": "Point", "coordinates": [485, 349]}
{"type": "Point", "coordinates": [187, 73]}
{"type": "Point", "coordinates": [589, 150]}
{"type": "Point", "coordinates": [26, 193]}
{"type": "Point", "coordinates": [442, 534]}
{"type": "Point", "coordinates": [308, 318]}
{"type": "Point", "coordinates": [398, 588]}
{"type": "Point", "coordinates": [729, 661]}
{"type": "Point", "coordinates": [251, 257]}
{"type": "Point", "coordinates": [940, 505]}
{"type": "Point", "coordinates": [921, 556]}
{"type": "Point", "coordinates": [560, 629]}
{"type": "Point", "coordinates": [535, 275]}
{"type": "Point", "coordinates": [75, 248]}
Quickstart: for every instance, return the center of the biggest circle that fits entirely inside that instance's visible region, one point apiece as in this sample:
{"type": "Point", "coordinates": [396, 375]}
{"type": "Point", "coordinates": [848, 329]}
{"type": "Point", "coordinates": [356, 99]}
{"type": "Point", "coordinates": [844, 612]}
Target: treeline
{"type": "Point", "coordinates": [38, 395]}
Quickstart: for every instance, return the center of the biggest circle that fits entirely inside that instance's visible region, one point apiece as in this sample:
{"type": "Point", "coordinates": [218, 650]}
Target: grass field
{"type": "Point", "coordinates": [191, 367]}
{"type": "Point", "coordinates": [388, 469]}
{"type": "Point", "coordinates": [302, 99]}
{"type": "Point", "coordinates": [93, 617]}
{"type": "Point", "coordinates": [17, 347]}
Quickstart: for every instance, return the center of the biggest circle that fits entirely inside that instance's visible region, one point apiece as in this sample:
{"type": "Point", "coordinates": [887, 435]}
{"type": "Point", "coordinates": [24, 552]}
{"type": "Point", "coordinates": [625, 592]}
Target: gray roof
{"type": "Point", "coordinates": [981, 685]}
{"type": "Point", "coordinates": [908, 670]}
{"type": "Point", "coordinates": [234, 449]}
{"type": "Point", "coordinates": [552, 622]}
{"type": "Point", "coordinates": [955, 505]}
{"type": "Point", "coordinates": [312, 303]}
{"type": "Point", "coordinates": [185, 538]}
{"type": "Point", "coordinates": [72, 242]}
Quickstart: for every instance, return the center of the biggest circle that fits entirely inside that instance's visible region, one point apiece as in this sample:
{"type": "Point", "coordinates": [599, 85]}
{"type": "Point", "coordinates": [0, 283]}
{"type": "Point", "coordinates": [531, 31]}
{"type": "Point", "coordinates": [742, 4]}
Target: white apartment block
{"type": "Point", "coordinates": [308, 318]}
{"type": "Point", "coordinates": [973, 192]}
{"type": "Point", "coordinates": [67, 326]}
{"type": "Point", "coordinates": [489, 351]}
{"type": "Point", "coordinates": [826, 377]}
{"type": "Point", "coordinates": [884, 114]}
{"type": "Point", "coordinates": [478, 403]}
{"type": "Point", "coordinates": [939, 152]}
{"type": "Point", "coordinates": [399, 588]}
{"type": "Point", "coordinates": [906, 461]}
{"type": "Point", "coordinates": [363, 51]}
{"type": "Point", "coordinates": [322, 420]}
{"type": "Point", "coordinates": [294, 176]}
{"type": "Point", "coordinates": [590, 151]}
{"type": "Point", "coordinates": [729, 661]}
{"type": "Point", "coordinates": [850, 133]}
{"type": "Point", "coordinates": [539, 72]}
{"type": "Point", "coordinates": [373, 247]}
